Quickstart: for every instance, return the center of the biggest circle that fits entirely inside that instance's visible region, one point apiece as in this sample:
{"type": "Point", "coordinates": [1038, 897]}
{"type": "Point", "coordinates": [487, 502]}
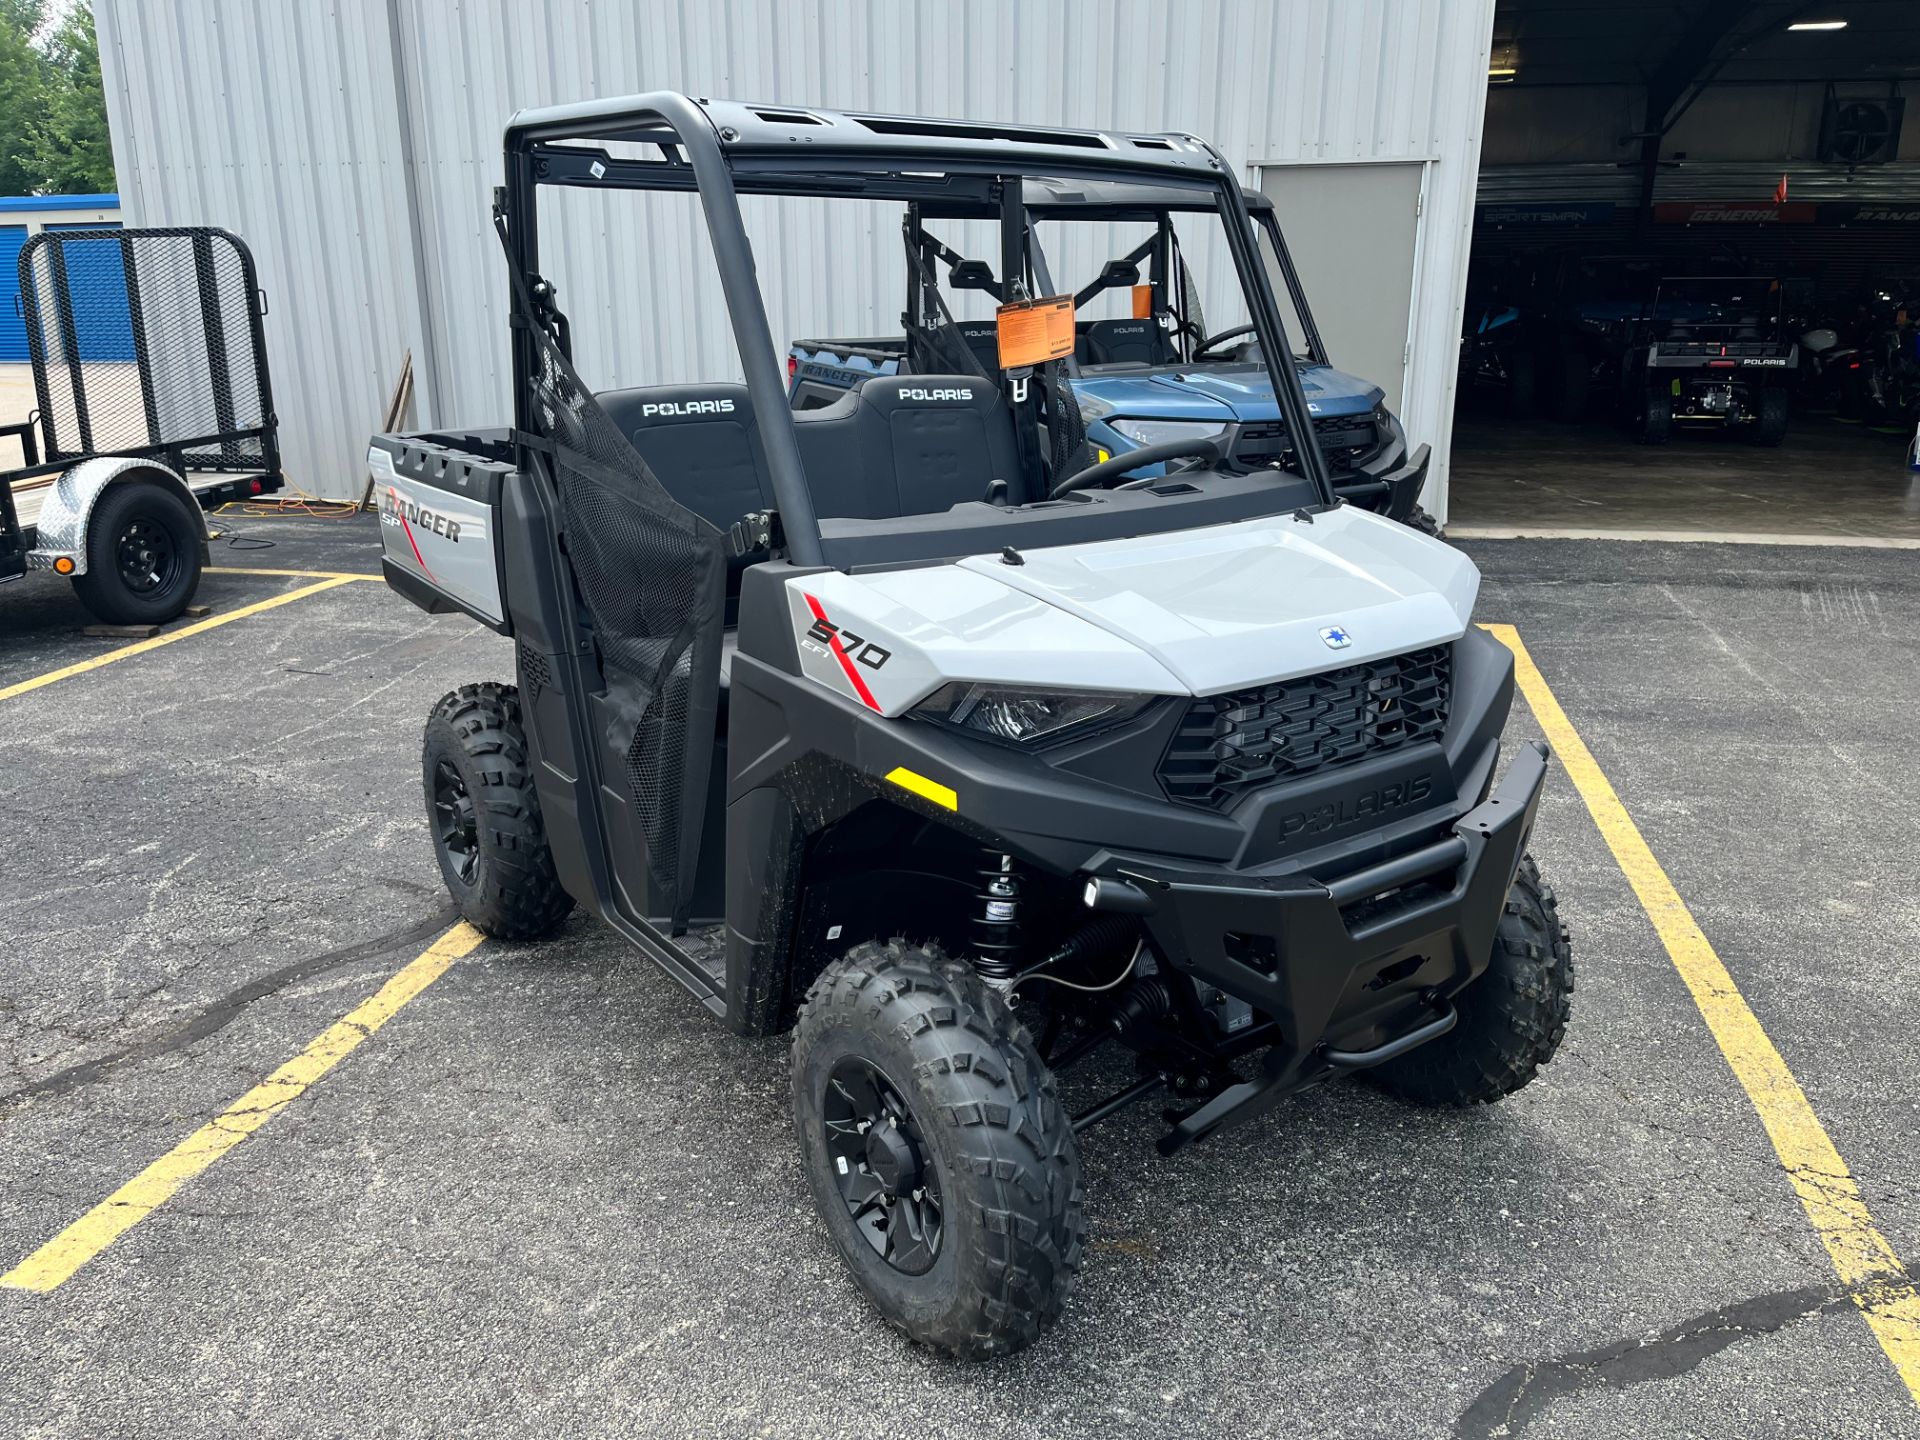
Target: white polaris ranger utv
{"type": "Point", "coordinates": [897, 723]}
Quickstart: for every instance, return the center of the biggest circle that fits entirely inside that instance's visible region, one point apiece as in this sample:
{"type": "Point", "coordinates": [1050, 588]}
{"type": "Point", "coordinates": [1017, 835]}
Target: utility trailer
{"type": "Point", "coordinates": [153, 401]}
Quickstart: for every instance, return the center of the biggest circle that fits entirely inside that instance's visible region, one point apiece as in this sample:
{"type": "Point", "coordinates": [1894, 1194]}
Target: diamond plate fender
{"type": "Point", "coordinates": [62, 526]}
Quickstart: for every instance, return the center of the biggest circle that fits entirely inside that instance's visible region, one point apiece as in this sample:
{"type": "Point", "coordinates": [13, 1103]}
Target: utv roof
{"type": "Point", "coordinates": [796, 138]}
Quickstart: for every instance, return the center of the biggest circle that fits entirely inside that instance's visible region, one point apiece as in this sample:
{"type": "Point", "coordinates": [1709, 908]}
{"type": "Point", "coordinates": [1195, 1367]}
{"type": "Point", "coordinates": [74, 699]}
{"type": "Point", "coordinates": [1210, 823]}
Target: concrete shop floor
{"type": "Point", "coordinates": [552, 1197]}
{"type": "Point", "coordinates": [1827, 480]}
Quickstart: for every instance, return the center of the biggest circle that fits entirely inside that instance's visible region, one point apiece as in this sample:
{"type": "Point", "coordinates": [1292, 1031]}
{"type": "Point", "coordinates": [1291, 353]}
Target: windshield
{"type": "Point", "coordinates": [1721, 302]}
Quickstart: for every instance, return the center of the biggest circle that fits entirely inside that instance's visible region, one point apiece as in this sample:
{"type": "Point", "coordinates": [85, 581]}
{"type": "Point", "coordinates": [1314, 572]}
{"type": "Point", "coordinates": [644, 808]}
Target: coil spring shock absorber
{"type": "Point", "coordinates": [996, 940]}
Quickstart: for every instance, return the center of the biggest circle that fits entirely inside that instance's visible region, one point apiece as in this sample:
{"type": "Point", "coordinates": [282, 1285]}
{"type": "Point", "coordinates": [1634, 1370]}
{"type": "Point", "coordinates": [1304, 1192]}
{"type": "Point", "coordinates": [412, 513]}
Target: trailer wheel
{"type": "Point", "coordinates": [1775, 407]}
{"type": "Point", "coordinates": [487, 832]}
{"type": "Point", "coordinates": [1653, 424]}
{"type": "Point", "coordinates": [937, 1149]}
{"type": "Point", "coordinates": [1512, 1018]}
{"type": "Point", "coordinates": [144, 548]}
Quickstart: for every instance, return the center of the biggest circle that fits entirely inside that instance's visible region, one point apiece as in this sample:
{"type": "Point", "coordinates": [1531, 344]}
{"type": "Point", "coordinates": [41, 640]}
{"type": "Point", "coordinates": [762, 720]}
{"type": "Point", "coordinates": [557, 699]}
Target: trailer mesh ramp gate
{"type": "Point", "coordinates": [148, 341]}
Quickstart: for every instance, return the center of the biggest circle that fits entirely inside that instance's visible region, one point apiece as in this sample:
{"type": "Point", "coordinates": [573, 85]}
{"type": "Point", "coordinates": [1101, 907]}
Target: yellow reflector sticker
{"type": "Point", "coordinates": [926, 789]}
{"type": "Point", "coordinates": [63, 566]}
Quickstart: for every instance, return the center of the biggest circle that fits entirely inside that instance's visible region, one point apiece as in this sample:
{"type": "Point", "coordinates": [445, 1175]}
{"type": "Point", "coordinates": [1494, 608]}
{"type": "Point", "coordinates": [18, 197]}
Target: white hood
{"type": "Point", "coordinates": [1237, 605]}
{"type": "Point", "coordinates": [1196, 612]}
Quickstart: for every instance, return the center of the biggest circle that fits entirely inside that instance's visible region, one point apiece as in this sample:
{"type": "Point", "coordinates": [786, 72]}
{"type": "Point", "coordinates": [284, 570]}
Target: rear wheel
{"type": "Point", "coordinates": [1512, 1018]}
{"type": "Point", "coordinates": [487, 831]}
{"type": "Point", "coordinates": [144, 544]}
{"type": "Point", "coordinates": [1653, 423]}
{"type": "Point", "coordinates": [1771, 426]}
{"type": "Point", "coordinates": [937, 1149]}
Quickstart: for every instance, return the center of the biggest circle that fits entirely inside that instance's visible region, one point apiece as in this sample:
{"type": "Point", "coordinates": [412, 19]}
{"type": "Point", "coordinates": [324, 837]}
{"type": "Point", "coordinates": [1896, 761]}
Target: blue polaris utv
{"type": "Point", "coordinates": [1151, 378]}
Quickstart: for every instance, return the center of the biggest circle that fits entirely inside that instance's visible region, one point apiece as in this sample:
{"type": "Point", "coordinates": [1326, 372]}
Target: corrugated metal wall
{"type": "Point", "coordinates": [356, 144]}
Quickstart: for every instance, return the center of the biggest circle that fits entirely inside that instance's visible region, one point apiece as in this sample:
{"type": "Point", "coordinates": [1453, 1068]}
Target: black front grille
{"type": "Point", "coordinates": [1346, 440]}
{"type": "Point", "coordinates": [1229, 744]}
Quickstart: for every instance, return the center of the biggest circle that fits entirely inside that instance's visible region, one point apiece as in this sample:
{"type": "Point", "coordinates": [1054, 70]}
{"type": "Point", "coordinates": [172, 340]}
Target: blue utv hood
{"type": "Point", "coordinates": [1220, 393]}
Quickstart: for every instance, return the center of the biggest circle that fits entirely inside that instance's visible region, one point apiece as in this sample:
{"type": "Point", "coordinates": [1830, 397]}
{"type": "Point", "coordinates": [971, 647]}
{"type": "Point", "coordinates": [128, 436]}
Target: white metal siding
{"type": "Point", "coordinates": [288, 123]}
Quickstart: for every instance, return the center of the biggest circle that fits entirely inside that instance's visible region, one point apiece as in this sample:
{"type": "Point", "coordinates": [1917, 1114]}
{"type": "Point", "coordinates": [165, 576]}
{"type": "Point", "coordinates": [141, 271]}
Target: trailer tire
{"type": "Point", "coordinates": [145, 547]}
{"type": "Point", "coordinates": [1512, 1019]}
{"type": "Point", "coordinates": [487, 831]}
{"type": "Point", "coordinates": [1771, 426]}
{"type": "Point", "coordinates": [963, 1103]}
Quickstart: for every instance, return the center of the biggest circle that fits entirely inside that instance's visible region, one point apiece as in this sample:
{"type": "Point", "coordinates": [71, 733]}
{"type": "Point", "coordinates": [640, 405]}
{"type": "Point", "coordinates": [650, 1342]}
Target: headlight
{"type": "Point", "coordinates": [1388, 427]}
{"type": "Point", "coordinates": [1160, 432]}
{"type": "Point", "coordinates": [1024, 716]}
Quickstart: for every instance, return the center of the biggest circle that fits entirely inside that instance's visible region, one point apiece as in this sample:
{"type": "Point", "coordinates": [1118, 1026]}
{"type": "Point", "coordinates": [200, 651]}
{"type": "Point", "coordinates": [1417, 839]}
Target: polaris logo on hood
{"type": "Point", "coordinates": [688, 407]}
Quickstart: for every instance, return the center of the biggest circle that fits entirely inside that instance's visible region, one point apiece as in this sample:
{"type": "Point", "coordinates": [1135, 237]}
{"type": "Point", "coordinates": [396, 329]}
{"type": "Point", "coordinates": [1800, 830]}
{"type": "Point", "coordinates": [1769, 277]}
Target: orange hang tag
{"type": "Point", "coordinates": [1143, 302]}
{"type": "Point", "coordinates": [1032, 332]}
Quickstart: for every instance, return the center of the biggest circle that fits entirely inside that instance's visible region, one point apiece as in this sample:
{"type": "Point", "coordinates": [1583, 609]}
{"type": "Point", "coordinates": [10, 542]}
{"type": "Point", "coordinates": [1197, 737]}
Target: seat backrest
{"type": "Point", "coordinates": [909, 445]}
{"type": "Point", "coordinates": [983, 339]}
{"type": "Point", "coordinates": [703, 443]}
{"type": "Point", "coordinates": [1140, 342]}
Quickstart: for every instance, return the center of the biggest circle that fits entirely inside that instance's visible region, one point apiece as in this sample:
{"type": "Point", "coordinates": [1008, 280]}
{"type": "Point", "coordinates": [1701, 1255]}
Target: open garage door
{"type": "Point", "coordinates": [1353, 231]}
{"type": "Point", "coordinates": [1693, 294]}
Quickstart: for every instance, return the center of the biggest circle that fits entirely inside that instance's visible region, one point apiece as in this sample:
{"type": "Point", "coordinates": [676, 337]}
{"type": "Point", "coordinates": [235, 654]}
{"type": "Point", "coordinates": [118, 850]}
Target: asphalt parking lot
{"type": "Point", "coordinates": [550, 1196]}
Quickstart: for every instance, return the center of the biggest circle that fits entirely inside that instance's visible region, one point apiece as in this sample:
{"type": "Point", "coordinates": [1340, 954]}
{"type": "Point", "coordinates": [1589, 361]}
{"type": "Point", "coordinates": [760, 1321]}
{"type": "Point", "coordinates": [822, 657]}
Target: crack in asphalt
{"type": "Point", "coordinates": [1506, 1407]}
{"type": "Point", "coordinates": [222, 1012]}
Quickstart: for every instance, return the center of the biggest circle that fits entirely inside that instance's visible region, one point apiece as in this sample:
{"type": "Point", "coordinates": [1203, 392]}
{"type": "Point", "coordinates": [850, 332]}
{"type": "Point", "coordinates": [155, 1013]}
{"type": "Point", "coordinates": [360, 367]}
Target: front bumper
{"type": "Point", "coordinates": [1390, 484]}
{"type": "Point", "coordinates": [1353, 968]}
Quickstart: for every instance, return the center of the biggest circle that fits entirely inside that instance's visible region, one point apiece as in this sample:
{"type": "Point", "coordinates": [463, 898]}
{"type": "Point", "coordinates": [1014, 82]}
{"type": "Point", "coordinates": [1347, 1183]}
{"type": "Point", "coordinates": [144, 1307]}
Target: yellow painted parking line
{"type": "Point", "coordinates": [307, 574]}
{"type": "Point", "coordinates": [1865, 1262]}
{"type": "Point", "coordinates": [55, 1262]}
{"type": "Point", "coordinates": [199, 627]}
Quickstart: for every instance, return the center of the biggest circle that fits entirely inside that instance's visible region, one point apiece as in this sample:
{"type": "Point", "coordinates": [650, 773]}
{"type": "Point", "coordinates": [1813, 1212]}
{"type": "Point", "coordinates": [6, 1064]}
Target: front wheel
{"type": "Point", "coordinates": [1512, 1019]}
{"type": "Point", "coordinates": [144, 548]}
{"type": "Point", "coordinates": [1419, 519]}
{"type": "Point", "coordinates": [937, 1150]}
{"type": "Point", "coordinates": [487, 832]}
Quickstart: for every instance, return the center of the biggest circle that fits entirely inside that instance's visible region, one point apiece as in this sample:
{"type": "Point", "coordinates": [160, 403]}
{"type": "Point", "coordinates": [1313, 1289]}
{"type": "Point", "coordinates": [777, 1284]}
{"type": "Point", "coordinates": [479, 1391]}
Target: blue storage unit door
{"type": "Point", "coordinates": [97, 281]}
{"type": "Point", "coordinates": [13, 330]}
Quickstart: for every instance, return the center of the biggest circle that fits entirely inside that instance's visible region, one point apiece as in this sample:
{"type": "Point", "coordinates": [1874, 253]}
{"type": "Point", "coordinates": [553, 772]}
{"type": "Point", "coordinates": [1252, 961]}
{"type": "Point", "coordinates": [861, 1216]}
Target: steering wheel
{"type": "Point", "coordinates": [1225, 335]}
{"type": "Point", "coordinates": [1208, 450]}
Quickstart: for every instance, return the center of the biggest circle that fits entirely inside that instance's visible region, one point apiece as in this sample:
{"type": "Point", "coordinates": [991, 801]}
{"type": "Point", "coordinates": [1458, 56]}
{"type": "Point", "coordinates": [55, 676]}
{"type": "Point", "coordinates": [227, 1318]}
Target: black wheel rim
{"type": "Point", "coordinates": [146, 555]}
{"type": "Point", "coordinates": [454, 823]}
{"type": "Point", "coordinates": [883, 1167]}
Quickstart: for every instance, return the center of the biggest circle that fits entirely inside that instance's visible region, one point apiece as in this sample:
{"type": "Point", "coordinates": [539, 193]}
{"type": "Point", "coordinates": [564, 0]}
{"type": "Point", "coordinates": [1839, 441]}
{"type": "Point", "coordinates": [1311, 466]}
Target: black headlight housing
{"type": "Point", "coordinates": [1027, 716]}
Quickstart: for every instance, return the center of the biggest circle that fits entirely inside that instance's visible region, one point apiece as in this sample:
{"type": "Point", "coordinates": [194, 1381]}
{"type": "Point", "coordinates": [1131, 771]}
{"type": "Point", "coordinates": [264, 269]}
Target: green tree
{"type": "Point", "coordinates": [69, 141]}
{"type": "Point", "coordinates": [25, 77]}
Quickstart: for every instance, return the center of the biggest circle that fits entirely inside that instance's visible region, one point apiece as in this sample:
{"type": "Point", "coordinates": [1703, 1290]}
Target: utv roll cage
{"type": "Point", "coordinates": [721, 150]}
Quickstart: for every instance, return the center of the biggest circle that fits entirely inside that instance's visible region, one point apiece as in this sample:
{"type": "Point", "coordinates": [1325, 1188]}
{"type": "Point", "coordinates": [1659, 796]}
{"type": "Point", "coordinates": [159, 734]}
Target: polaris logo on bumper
{"type": "Point", "coordinates": [1352, 809]}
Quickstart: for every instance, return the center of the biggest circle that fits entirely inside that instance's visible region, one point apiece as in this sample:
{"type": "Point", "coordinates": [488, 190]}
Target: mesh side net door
{"type": "Point", "coordinates": [652, 577]}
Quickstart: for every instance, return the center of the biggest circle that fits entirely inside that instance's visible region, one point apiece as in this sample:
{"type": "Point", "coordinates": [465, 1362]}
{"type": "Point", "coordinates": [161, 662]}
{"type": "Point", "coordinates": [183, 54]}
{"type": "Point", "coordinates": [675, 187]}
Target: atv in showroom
{"type": "Point", "coordinates": [907, 725]}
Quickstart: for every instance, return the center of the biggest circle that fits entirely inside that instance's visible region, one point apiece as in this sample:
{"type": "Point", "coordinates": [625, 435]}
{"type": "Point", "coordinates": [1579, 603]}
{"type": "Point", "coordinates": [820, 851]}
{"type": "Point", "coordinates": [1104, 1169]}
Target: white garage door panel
{"type": "Point", "coordinates": [1353, 231]}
